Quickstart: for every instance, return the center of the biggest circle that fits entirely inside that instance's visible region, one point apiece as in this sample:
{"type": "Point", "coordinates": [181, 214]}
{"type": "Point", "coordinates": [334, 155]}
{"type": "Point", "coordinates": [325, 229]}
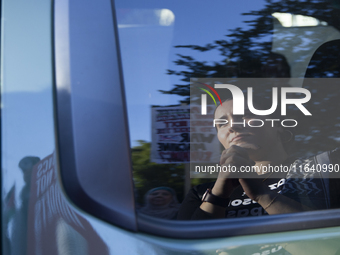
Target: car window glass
{"type": "Point", "coordinates": [259, 44]}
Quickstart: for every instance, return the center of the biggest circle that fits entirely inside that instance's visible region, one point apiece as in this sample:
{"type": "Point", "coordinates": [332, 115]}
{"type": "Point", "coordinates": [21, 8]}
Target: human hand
{"type": "Point", "coordinates": [254, 187]}
{"type": "Point", "coordinates": [227, 181]}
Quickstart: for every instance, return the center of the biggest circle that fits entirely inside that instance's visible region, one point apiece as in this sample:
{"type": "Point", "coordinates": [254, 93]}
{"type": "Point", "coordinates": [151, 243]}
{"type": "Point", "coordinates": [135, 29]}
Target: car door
{"type": "Point", "coordinates": [80, 82]}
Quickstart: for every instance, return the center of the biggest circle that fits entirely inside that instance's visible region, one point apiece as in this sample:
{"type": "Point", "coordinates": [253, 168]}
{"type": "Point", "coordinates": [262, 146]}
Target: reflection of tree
{"type": "Point", "coordinates": [246, 52]}
{"type": "Point", "coordinates": [320, 132]}
{"type": "Point", "coordinates": [148, 175]}
{"type": "Point", "coordinates": [325, 61]}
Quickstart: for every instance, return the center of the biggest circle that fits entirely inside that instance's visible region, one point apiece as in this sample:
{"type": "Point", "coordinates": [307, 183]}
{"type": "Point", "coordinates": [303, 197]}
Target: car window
{"type": "Point", "coordinates": [178, 62]}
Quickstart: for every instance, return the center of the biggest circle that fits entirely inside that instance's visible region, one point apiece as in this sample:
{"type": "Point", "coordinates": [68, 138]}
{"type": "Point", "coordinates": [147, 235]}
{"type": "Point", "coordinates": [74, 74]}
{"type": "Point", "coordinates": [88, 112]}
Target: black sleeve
{"type": "Point", "coordinates": [190, 208]}
{"type": "Point", "coordinates": [334, 181]}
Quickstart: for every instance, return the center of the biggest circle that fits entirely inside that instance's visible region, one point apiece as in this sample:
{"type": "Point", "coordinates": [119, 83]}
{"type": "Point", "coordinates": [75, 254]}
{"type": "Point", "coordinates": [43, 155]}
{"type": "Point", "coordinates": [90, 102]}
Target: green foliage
{"type": "Point", "coordinates": [148, 175]}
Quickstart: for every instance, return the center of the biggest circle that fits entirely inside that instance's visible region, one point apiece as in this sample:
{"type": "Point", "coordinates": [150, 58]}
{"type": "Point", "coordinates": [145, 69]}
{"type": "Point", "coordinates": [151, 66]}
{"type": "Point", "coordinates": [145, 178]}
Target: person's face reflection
{"type": "Point", "coordinates": [255, 139]}
{"type": "Point", "coordinates": [160, 198]}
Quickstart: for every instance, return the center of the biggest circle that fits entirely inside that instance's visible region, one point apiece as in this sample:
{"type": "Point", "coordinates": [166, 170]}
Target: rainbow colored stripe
{"type": "Point", "coordinates": [213, 90]}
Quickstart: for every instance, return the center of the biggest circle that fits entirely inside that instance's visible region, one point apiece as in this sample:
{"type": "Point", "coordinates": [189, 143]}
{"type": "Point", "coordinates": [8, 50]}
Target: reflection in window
{"type": "Point", "coordinates": [268, 40]}
{"type": "Point", "coordinates": [291, 20]}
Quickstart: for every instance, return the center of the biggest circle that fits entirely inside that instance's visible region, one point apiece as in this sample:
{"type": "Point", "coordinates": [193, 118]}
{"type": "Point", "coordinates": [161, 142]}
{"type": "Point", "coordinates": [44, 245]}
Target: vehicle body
{"type": "Point", "coordinates": [67, 184]}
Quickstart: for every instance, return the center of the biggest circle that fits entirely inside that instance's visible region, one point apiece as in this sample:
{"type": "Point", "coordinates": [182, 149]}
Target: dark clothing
{"type": "Point", "coordinates": [303, 183]}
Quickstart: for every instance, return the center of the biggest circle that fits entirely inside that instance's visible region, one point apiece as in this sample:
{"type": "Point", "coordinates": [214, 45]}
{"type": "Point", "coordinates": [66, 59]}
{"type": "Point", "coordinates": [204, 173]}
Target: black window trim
{"type": "Point", "coordinates": [109, 196]}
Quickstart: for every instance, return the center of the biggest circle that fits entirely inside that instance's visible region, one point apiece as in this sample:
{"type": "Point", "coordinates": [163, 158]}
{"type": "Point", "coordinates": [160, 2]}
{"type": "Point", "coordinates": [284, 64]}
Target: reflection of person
{"type": "Point", "coordinates": [271, 192]}
{"type": "Point", "coordinates": [161, 202]}
{"type": "Point", "coordinates": [26, 165]}
{"type": "Point", "coordinates": [20, 218]}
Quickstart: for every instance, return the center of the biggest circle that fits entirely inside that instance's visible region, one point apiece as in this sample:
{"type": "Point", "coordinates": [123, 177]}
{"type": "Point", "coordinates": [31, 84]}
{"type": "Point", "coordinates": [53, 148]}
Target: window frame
{"type": "Point", "coordinates": [102, 187]}
{"type": "Point", "coordinates": [119, 206]}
